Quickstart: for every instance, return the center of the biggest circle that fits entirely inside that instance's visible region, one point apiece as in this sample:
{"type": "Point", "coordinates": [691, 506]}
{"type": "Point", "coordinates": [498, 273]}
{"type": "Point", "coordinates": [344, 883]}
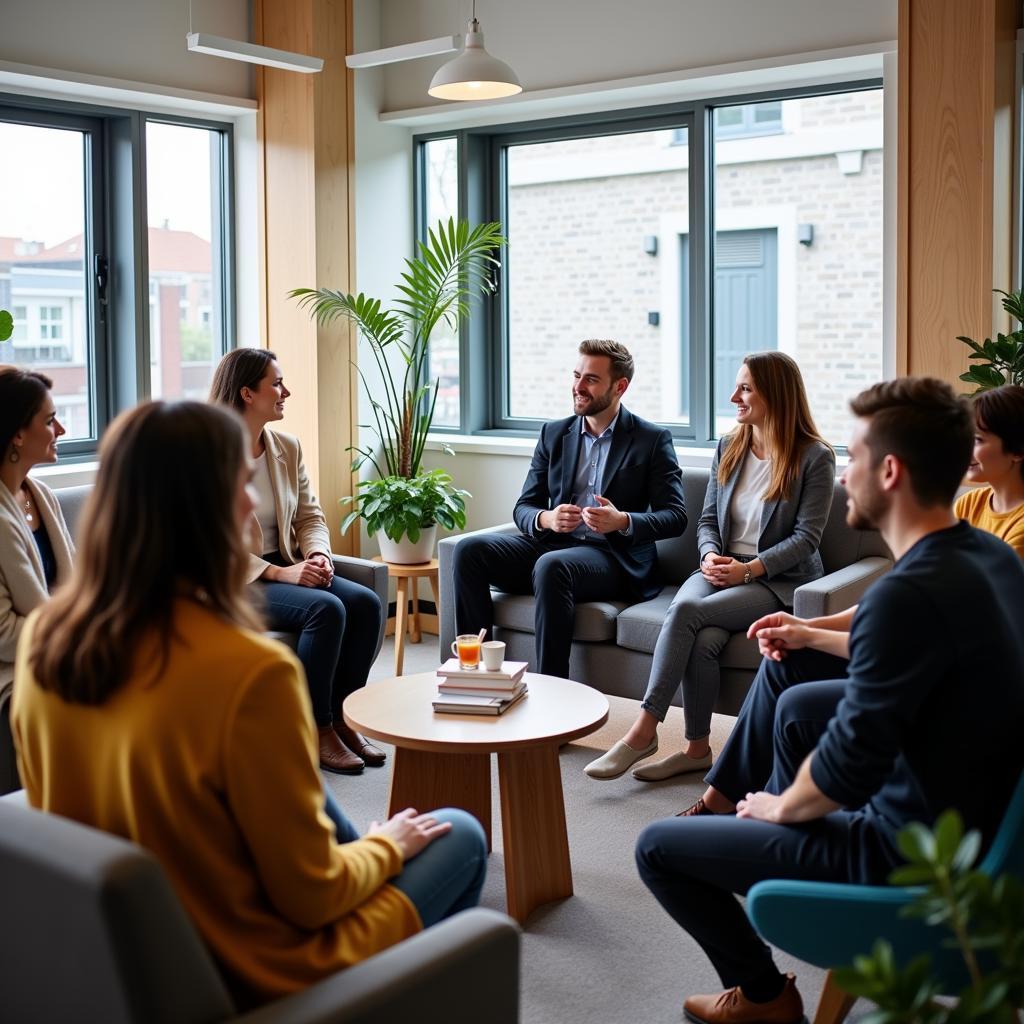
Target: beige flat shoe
{"type": "Point", "coordinates": [675, 764]}
{"type": "Point", "coordinates": [618, 760]}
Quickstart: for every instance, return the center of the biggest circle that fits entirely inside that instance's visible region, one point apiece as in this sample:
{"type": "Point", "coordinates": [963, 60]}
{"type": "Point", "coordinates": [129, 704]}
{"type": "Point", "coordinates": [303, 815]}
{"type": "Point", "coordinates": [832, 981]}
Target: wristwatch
{"type": "Point", "coordinates": [748, 576]}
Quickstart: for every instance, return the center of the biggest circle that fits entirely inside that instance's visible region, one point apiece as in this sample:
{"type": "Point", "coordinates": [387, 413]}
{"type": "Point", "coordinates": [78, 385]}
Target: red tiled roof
{"type": "Point", "coordinates": [168, 251]}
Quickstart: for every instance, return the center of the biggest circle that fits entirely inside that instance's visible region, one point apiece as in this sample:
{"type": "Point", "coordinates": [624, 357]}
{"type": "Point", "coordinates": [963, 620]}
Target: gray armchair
{"type": "Point", "coordinates": [94, 932]}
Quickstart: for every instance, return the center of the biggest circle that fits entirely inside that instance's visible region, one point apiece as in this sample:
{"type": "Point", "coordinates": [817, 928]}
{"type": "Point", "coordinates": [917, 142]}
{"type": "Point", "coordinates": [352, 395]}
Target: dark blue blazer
{"type": "Point", "coordinates": [641, 476]}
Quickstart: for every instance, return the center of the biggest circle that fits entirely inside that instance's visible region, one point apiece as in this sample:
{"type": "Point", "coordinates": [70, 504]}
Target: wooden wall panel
{"type": "Point", "coordinates": [306, 132]}
{"type": "Point", "coordinates": [955, 161]}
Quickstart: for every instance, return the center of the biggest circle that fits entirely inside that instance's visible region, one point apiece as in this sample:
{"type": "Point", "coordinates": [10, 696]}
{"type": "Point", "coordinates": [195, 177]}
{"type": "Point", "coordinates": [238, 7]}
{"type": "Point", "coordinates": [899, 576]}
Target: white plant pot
{"type": "Point", "coordinates": [404, 551]}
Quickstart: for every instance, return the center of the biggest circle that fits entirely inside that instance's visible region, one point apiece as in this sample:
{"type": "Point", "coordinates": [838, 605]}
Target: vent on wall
{"type": "Point", "coordinates": [739, 249]}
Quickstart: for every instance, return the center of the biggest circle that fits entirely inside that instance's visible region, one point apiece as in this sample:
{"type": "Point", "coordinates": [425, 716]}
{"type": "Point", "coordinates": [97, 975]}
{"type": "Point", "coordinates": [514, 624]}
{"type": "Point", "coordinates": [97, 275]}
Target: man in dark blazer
{"type": "Point", "coordinates": [603, 486]}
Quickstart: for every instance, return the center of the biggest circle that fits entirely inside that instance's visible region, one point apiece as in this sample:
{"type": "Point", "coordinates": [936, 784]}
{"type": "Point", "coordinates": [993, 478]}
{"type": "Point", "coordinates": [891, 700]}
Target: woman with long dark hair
{"type": "Point", "coordinates": [767, 502]}
{"type": "Point", "coordinates": [35, 547]}
{"type": "Point", "coordinates": [147, 703]}
{"type": "Point", "coordinates": [338, 621]}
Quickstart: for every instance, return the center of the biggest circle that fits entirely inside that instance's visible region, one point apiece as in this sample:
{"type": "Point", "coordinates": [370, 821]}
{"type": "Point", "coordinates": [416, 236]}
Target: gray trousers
{"type": "Point", "coordinates": [698, 625]}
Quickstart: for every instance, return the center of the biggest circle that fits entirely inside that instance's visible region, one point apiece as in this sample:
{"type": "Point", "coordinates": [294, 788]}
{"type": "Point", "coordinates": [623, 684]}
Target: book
{"type": "Point", "coordinates": [510, 672]}
{"type": "Point", "coordinates": [457, 689]}
{"type": "Point", "coordinates": [465, 705]}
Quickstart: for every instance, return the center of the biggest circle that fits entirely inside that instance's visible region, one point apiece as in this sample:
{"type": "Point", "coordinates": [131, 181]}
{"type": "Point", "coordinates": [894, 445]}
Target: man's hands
{"type": "Point", "coordinates": [315, 571]}
{"type": "Point", "coordinates": [604, 517]}
{"type": "Point", "coordinates": [411, 830]}
{"type": "Point", "coordinates": [601, 518]}
{"type": "Point", "coordinates": [778, 633]}
{"type": "Point", "coordinates": [762, 806]}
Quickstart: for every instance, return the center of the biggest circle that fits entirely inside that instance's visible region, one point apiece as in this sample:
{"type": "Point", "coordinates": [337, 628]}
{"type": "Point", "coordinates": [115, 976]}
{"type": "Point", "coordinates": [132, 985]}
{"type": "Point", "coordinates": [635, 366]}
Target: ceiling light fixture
{"type": "Point", "coordinates": [405, 51]}
{"type": "Point", "coordinates": [238, 49]}
{"type": "Point", "coordinates": [474, 74]}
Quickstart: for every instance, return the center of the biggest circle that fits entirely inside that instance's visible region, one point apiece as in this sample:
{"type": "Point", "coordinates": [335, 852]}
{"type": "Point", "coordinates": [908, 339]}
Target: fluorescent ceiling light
{"type": "Point", "coordinates": [406, 51]}
{"type": "Point", "coordinates": [474, 74]}
{"type": "Point", "coordinates": [236, 49]}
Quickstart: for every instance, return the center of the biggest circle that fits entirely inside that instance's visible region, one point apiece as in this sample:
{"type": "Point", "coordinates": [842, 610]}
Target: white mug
{"type": "Point", "coordinates": [493, 654]}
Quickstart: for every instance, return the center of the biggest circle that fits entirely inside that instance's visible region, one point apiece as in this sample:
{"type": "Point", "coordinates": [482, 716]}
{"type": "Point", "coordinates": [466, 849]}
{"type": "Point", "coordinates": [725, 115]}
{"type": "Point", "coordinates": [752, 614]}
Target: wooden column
{"type": "Point", "coordinates": [307, 142]}
{"type": "Point", "coordinates": [955, 177]}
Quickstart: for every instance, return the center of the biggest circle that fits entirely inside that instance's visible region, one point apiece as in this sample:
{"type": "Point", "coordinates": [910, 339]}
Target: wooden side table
{"type": "Point", "coordinates": [405, 623]}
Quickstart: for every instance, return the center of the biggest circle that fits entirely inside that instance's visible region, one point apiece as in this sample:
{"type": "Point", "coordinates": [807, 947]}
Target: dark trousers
{"type": "Point", "coordinates": [693, 866]}
{"type": "Point", "coordinates": [559, 571]}
{"type": "Point", "coordinates": [338, 628]}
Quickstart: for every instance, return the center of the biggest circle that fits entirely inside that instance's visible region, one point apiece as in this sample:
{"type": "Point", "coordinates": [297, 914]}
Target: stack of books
{"type": "Point", "coordinates": [478, 691]}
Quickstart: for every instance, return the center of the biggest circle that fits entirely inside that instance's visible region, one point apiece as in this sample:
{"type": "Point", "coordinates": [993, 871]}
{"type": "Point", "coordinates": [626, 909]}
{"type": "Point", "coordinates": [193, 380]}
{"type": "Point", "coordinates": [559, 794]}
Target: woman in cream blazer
{"type": "Point", "coordinates": [35, 547]}
{"type": "Point", "coordinates": [767, 503]}
{"type": "Point", "coordinates": [338, 621]}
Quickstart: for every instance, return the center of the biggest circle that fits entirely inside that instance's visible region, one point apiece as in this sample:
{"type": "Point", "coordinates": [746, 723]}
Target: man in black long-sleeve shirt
{"type": "Point", "coordinates": [936, 670]}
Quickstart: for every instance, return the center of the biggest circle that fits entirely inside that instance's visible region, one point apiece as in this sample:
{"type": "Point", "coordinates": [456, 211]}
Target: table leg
{"type": "Point", "coordinates": [414, 633]}
{"type": "Point", "coordinates": [537, 867]}
{"type": "Point", "coordinates": [401, 607]}
{"type": "Point", "coordinates": [433, 589]}
{"type": "Point", "coordinates": [428, 781]}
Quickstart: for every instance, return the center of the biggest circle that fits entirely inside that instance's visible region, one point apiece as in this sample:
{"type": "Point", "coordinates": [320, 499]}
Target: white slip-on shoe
{"type": "Point", "coordinates": [675, 764]}
{"type": "Point", "coordinates": [618, 760]}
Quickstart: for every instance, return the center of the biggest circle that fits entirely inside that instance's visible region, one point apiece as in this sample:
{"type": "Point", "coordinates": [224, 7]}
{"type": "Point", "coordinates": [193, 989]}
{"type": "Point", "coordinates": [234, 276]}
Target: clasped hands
{"type": "Point", "coordinates": [315, 571]}
{"type": "Point", "coordinates": [603, 517]}
{"type": "Point", "coordinates": [722, 571]}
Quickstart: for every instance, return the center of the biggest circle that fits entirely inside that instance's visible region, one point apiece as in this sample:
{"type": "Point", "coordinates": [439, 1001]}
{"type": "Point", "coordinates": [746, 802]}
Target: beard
{"type": "Point", "coordinates": [867, 512]}
{"type": "Point", "coordinates": [592, 406]}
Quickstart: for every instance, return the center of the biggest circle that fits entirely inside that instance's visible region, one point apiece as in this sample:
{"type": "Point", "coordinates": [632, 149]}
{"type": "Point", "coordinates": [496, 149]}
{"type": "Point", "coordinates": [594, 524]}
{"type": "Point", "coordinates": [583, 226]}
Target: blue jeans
{"type": "Point", "coordinates": [338, 628]}
{"type": "Point", "coordinates": [444, 878]}
{"type": "Point", "coordinates": [698, 625]}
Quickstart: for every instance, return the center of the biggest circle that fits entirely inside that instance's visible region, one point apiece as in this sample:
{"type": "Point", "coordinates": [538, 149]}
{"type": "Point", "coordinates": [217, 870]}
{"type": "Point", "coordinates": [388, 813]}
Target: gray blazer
{"type": "Point", "coordinates": [791, 527]}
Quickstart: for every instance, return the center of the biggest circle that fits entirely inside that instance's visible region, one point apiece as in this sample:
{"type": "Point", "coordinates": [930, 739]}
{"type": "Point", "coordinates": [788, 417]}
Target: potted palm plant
{"type": "Point", "coordinates": [1000, 361]}
{"type": "Point", "coordinates": [404, 504]}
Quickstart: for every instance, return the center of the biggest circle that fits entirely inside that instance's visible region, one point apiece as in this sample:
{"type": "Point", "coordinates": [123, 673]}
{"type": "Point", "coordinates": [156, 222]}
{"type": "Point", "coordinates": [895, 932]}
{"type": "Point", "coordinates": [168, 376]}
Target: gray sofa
{"type": "Point", "coordinates": [72, 500]}
{"type": "Point", "coordinates": [94, 932]}
{"type": "Point", "coordinates": [613, 642]}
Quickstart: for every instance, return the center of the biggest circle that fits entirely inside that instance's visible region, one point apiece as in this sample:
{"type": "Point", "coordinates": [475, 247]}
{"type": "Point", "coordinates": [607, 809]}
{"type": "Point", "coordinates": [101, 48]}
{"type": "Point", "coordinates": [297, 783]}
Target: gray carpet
{"type": "Point", "coordinates": [609, 953]}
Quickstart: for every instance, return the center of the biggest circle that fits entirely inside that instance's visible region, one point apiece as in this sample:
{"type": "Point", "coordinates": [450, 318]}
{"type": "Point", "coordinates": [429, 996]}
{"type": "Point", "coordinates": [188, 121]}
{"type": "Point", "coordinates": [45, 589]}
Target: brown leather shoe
{"type": "Point", "coordinates": [696, 810]}
{"type": "Point", "coordinates": [373, 756]}
{"type": "Point", "coordinates": [733, 1007]}
{"type": "Point", "coordinates": [335, 756]}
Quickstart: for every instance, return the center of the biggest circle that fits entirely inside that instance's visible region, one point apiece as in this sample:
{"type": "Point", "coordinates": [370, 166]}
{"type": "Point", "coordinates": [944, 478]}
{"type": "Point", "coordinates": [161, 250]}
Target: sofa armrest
{"type": "Point", "coordinates": [463, 970]}
{"type": "Point", "coordinates": [840, 589]}
{"type": "Point", "coordinates": [373, 575]}
{"type": "Point", "coordinates": [446, 584]}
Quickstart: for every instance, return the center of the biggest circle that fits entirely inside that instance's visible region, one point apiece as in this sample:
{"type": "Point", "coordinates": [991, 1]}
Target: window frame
{"type": "Point", "coordinates": [483, 341]}
{"type": "Point", "coordinates": [116, 230]}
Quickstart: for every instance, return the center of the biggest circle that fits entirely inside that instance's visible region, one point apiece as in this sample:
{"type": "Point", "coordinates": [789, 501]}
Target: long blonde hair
{"type": "Point", "coordinates": [788, 428]}
{"type": "Point", "coordinates": [158, 525]}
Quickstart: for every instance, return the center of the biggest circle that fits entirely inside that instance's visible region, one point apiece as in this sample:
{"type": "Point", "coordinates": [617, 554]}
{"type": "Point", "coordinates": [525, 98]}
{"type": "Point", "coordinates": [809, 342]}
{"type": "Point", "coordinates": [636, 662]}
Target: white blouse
{"type": "Point", "coordinates": [266, 510]}
{"type": "Point", "coordinates": [747, 503]}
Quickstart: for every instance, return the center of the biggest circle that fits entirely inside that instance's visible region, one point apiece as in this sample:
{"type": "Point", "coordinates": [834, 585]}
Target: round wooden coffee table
{"type": "Point", "coordinates": [444, 760]}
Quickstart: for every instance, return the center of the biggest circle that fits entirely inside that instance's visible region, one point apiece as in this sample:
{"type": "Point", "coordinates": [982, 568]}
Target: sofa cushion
{"type": "Point", "coordinates": [595, 620]}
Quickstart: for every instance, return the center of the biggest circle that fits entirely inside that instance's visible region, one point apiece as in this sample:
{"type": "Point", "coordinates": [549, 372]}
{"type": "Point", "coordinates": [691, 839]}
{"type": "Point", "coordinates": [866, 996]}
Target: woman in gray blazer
{"type": "Point", "coordinates": [35, 546]}
{"type": "Point", "coordinates": [767, 502]}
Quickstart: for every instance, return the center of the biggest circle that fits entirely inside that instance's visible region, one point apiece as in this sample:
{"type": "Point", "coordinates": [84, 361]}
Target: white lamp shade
{"type": "Point", "coordinates": [474, 74]}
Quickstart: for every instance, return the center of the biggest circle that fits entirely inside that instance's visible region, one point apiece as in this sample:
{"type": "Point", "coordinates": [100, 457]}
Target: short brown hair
{"type": "Point", "coordinates": [22, 393]}
{"type": "Point", "coordinates": [622, 361]}
{"type": "Point", "coordinates": [927, 426]}
{"type": "Point", "coordinates": [1000, 411]}
{"type": "Point", "coordinates": [240, 368]}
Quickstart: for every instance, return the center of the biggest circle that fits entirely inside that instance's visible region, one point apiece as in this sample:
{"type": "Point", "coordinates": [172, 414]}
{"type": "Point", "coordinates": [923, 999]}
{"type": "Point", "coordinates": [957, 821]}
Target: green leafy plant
{"type": "Point", "coordinates": [1001, 361]}
{"type": "Point", "coordinates": [985, 917]}
{"type": "Point", "coordinates": [6, 325]}
{"type": "Point", "coordinates": [454, 265]}
{"type": "Point", "coordinates": [405, 505]}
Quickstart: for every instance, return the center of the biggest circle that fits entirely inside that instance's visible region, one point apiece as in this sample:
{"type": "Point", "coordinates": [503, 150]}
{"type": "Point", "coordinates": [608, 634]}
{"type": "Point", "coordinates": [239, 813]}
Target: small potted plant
{"type": "Point", "coordinates": [405, 504]}
{"type": "Point", "coordinates": [1000, 361]}
{"type": "Point", "coordinates": [6, 325]}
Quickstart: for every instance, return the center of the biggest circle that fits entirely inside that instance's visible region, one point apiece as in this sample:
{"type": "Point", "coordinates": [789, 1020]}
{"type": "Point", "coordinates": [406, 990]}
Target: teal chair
{"type": "Point", "coordinates": [827, 924]}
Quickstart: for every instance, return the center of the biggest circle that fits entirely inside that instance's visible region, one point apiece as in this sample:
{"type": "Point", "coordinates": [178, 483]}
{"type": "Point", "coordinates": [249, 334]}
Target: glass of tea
{"type": "Point", "coordinates": [466, 648]}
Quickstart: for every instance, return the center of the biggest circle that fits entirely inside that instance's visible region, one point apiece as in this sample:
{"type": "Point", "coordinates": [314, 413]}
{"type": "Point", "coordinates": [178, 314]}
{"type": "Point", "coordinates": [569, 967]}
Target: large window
{"type": "Point", "coordinates": [75, 259]}
{"type": "Point", "coordinates": [694, 235]}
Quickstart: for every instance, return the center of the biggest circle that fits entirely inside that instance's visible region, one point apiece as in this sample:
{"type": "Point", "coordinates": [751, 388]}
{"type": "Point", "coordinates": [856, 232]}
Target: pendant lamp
{"type": "Point", "coordinates": [474, 74]}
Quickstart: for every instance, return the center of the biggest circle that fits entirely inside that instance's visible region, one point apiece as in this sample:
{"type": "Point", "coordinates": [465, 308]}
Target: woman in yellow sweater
{"type": "Point", "coordinates": [146, 703]}
{"type": "Point", "coordinates": [998, 462]}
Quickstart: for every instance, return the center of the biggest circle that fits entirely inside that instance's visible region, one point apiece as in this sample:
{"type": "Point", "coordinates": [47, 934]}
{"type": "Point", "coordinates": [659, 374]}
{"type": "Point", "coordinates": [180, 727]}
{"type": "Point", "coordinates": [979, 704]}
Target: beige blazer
{"type": "Point", "coordinates": [301, 526]}
{"type": "Point", "coordinates": [22, 583]}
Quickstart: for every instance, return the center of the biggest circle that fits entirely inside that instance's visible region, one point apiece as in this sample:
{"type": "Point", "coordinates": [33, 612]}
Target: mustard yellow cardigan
{"type": "Point", "coordinates": [213, 768]}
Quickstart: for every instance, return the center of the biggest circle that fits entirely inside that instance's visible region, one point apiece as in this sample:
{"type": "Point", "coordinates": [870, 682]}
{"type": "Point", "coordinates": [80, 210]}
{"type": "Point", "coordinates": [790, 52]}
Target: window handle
{"type": "Point", "coordinates": [101, 270]}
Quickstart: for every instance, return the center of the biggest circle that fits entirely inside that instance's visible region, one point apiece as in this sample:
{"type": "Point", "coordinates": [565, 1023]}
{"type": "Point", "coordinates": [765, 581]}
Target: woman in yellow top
{"type": "Point", "coordinates": [998, 462]}
{"type": "Point", "coordinates": [148, 704]}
